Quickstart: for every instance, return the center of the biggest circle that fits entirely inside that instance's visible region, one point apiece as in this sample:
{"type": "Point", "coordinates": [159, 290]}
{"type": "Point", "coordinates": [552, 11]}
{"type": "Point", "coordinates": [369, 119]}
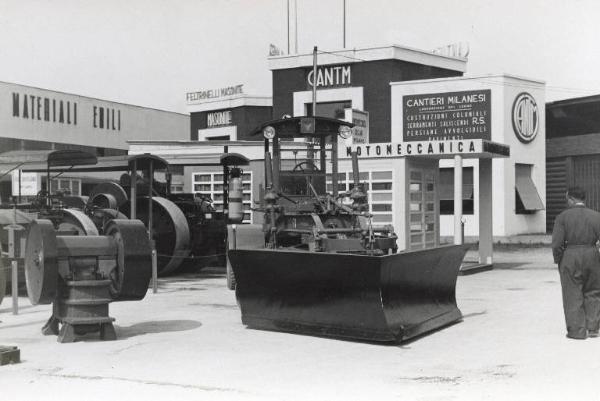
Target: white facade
{"type": "Point", "coordinates": [504, 91]}
{"type": "Point", "coordinates": [28, 113]}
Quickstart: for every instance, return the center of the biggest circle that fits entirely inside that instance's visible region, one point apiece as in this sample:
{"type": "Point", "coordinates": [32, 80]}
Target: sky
{"type": "Point", "coordinates": [152, 52]}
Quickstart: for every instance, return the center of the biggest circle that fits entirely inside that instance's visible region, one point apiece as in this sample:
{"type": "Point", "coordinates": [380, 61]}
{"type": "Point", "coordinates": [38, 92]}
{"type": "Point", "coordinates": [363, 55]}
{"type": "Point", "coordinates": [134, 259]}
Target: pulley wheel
{"type": "Point", "coordinates": [101, 217]}
{"type": "Point", "coordinates": [41, 268]}
{"type": "Point", "coordinates": [170, 231]}
{"type": "Point", "coordinates": [77, 221]}
{"type": "Point", "coordinates": [130, 279]}
{"type": "Point", "coordinates": [108, 195]}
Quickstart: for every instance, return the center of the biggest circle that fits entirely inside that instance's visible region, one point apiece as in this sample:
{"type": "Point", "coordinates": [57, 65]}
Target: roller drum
{"type": "Point", "coordinates": [170, 231]}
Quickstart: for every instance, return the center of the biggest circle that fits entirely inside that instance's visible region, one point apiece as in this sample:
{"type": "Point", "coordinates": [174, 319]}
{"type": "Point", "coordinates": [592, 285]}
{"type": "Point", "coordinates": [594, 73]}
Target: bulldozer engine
{"type": "Point", "coordinates": [319, 266]}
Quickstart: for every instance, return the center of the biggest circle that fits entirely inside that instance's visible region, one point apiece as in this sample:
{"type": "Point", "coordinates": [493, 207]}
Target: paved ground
{"type": "Point", "coordinates": [188, 343]}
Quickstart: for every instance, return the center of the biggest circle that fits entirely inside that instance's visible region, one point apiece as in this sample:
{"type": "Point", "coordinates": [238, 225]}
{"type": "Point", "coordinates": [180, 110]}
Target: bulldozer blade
{"type": "Point", "coordinates": [388, 298]}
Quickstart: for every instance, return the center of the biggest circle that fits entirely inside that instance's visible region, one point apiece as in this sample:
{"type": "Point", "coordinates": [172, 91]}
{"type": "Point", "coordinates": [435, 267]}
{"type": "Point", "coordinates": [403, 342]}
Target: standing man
{"type": "Point", "coordinates": [576, 232]}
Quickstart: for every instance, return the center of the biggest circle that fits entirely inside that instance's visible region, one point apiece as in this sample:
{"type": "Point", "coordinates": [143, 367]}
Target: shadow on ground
{"type": "Point", "coordinates": [153, 327]}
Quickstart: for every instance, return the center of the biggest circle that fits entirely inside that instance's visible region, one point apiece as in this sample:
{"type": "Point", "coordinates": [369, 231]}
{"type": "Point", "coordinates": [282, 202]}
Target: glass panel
{"type": "Point", "coordinates": [218, 177]}
{"type": "Point", "coordinates": [364, 176]}
{"type": "Point", "coordinates": [381, 175]}
{"type": "Point", "coordinates": [246, 197]}
{"type": "Point", "coordinates": [416, 238]}
{"type": "Point", "coordinates": [430, 207]}
{"type": "Point", "coordinates": [415, 207]}
{"type": "Point", "coordinates": [429, 187]}
{"type": "Point", "coordinates": [75, 188]}
{"type": "Point", "coordinates": [381, 197]}
{"type": "Point", "coordinates": [247, 187]}
{"type": "Point", "coordinates": [365, 185]}
{"type": "Point", "coordinates": [246, 177]}
{"type": "Point", "coordinates": [429, 196]}
{"type": "Point", "coordinates": [415, 187]}
{"type": "Point", "coordinates": [430, 237]}
{"type": "Point", "coordinates": [416, 227]}
{"type": "Point", "coordinates": [378, 207]}
{"type": "Point", "coordinates": [429, 227]}
{"type": "Point", "coordinates": [382, 218]}
{"type": "Point", "coordinates": [415, 218]}
{"type": "Point", "coordinates": [246, 216]}
{"type": "Point", "coordinates": [202, 177]}
{"type": "Point", "coordinates": [202, 187]}
{"type": "Point", "coordinates": [415, 196]}
{"type": "Point", "coordinates": [416, 175]}
{"type": "Point", "coordinates": [218, 187]}
{"type": "Point", "coordinates": [379, 186]}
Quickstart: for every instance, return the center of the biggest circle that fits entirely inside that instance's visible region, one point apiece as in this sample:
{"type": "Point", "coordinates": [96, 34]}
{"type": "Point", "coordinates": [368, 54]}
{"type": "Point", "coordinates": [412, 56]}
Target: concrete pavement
{"type": "Point", "coordinates": [187, 343]}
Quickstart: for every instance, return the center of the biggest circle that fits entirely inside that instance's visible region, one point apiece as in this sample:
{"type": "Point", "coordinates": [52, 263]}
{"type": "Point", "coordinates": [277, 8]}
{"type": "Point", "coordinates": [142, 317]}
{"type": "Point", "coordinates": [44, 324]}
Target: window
{"type": "Point", "coordinates": [421, 209]}
{"type": "Point", "coordinates": [379, 187]}
{"type": "Point", "coordinates": [211, 184]}
{"type": "Point", "coordinates": [446, 191]}
{"type": "Point", "coordinates": [527, 198]}
{"type": "Point", "coordinates": [330, 109]}
{"type": "Point", "coordinates": [67, 186]}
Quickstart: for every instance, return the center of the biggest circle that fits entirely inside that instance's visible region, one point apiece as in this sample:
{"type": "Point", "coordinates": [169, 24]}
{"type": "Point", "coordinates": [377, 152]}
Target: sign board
{"type": "Point", "coordinates": [474, 147]}
{"type": "Point", "coordinates": [360, 131]}
{"type": "Point", "coordinates": [330, 76]}
{"type": "Point", "coordinates": [218, 118]}
{"type": "Point", "coordinates": [29, 183]}
{"type": "Point", "coordinates": [447, 116]}
{"type": "Point", "coordinates": [192, 97]}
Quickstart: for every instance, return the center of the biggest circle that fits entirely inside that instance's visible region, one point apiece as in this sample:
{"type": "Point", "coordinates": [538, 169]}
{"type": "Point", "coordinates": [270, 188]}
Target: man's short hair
{"type": "Point", "coordinates": [576, 193]}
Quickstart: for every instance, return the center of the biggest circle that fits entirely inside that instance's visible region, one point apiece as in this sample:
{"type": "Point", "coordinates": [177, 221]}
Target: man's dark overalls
{"type": "Point", "coordinates": [576, 231]}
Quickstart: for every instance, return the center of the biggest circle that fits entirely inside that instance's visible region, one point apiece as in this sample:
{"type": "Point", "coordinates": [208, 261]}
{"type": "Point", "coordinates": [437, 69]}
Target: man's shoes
{"type": "Point", "coordinates": [593, 333]}
{"type": "Point", "coordinates": [576, 337]}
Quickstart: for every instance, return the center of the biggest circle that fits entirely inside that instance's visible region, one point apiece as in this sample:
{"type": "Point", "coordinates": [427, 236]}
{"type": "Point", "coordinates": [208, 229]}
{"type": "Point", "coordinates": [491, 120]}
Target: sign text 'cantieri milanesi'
{"type": "Point", "coordinates": [423, 148]}
{"type": "Point", "coordinates": [447, 116]}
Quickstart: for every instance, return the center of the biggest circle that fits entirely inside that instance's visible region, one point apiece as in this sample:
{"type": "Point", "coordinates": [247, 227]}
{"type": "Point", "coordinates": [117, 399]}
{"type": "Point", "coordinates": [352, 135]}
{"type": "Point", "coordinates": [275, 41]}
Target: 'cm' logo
{"type": "Point", "coordinates": [525, 117]}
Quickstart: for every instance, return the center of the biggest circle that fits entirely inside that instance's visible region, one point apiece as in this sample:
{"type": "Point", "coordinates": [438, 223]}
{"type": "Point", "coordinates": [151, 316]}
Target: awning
{"type": "Point", "coordinates": [526, 189]}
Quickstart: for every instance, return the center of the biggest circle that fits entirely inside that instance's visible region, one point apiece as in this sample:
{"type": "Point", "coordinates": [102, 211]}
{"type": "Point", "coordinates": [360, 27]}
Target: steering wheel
{"type": "Point", "coordinates": [298, 167]}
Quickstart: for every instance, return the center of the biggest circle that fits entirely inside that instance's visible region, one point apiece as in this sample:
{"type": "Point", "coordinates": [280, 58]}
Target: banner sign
{"type": "Point", "coordinates": [447, 116]}
{"type": "Point", "coordinates": [430, 148]}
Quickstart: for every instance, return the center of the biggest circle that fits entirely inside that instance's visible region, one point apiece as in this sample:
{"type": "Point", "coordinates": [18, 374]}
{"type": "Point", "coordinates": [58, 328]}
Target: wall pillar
{"type": "Point", "coordinates": [458, 198]}
{"type": "Point", "coordinates": [485, 211]}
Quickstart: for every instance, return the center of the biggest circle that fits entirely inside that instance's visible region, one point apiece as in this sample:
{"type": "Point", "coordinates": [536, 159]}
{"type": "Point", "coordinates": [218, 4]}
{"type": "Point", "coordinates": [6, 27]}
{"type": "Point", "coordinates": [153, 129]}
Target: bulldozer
{"type": "Point", "coordinates": [318, 265]}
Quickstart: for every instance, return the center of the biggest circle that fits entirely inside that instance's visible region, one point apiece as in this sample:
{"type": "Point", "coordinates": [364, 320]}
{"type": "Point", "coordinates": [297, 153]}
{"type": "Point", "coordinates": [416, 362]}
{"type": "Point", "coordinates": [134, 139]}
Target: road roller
{"type": "Point", "coordinates": [186, 229]}
{"type": "Point", "coordinates": [81, 275]}
{"type": "Point", "coordinates": [318, 265]}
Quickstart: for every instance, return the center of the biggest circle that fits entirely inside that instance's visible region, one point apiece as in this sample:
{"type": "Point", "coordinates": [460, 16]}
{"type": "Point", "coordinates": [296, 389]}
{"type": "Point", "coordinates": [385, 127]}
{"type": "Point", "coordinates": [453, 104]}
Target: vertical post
{"type": "Point", "coordinates": [334, 166]}
{"type": "Point", "coordinates": [20, 181]}
{"type": "Point", "coordinates": [154, 268]}
{"type": "Point", "coordinates": [133, 191]}
{"type": "Point", "coordinates": [458, 209]}
{"type": "Point", "coordinates": [314, 88]}
{"type": "Point", "coordinates": [150, 189]}
{"type": "Point", "coordinates": [15, 286]}
{"type": "Point", "coordinates": [288, 26]}
{"type": "Point", "coordinates": [225, 187]}
{"type": "Point", "coordinates": [486, 232]}
{"type": "Point", "coordinates": [344, 26]}
{"type": "Point", "coordinates": [12, 254]}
